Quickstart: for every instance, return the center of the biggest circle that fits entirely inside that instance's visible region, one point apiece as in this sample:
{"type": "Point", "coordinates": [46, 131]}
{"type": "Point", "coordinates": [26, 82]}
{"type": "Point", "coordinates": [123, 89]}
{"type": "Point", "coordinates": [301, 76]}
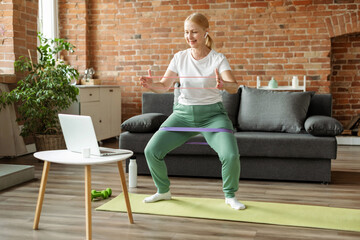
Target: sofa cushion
{"type": "Point", "coordinates": [320, 104]}
{"type": "Point", "coordinates": [144, 123]}
{"type": "Point", "coordinates": [323, 126]}
{"type": "Point", "coordinates": [231, 104]}
{"type": "Point", "coordinates": [251, 144]}
{"type": "Point", "coordinates": [157, 103]}
{"type": "Point", "coordinates": [262, 110]}
{"type": "Point", "coordinates": [285, 145]}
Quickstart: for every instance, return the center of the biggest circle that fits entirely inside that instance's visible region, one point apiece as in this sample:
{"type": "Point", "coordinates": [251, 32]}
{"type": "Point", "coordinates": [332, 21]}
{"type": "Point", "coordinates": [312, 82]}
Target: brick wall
{"type": "Point", "coordinates": [122, 39]}
{"type": "Point", "coordinates": [6, 39]}
{"type": "Point", "coordinates": [25, 27]}
{"type": "Point", "coordinates": [74, 27]}
{"type": "Point", "coordinates": [345, 77]}
{"type": "Point", "coordinates": [260, 38]}
{"type": "Point", "coordinates": [18, 28]}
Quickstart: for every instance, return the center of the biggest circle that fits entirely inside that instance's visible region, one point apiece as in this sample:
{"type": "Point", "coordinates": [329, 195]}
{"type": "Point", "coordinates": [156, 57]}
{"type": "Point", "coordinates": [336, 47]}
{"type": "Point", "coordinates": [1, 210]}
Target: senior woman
{"type": "Point", "coordinates": [199, 106]}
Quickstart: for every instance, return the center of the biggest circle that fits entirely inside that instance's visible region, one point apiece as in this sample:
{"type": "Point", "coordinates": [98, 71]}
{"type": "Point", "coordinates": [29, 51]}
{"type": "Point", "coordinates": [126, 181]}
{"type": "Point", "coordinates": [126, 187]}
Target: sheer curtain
{"type": "Point", "coordinates": [48, 18]}
{"type": "Point", "coordinates": [11, 143]}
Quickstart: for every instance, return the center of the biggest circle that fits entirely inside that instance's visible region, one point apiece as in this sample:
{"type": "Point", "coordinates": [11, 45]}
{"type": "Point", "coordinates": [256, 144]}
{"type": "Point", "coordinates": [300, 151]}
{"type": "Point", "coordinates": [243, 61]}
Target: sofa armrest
{"type": "Point", "coordinates": [320, 104]}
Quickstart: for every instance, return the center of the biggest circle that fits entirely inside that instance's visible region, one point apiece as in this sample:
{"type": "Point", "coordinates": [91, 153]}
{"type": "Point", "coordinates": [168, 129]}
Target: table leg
{"type": "Point", "coordinates": [41, 194]}
{"type": "Point", "coordinates": [88, 201]}
{"type": "Point", "coordinates": [126, 195]}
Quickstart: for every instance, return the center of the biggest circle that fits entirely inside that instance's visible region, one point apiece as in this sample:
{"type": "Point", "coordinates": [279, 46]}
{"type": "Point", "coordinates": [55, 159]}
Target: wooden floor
{"type": "Point", "coordinates": [63, 214]}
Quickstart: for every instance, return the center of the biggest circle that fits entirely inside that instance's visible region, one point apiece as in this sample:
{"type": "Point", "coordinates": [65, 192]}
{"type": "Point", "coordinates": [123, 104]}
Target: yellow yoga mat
{"type": "Point", "coordinates": [256, 212]}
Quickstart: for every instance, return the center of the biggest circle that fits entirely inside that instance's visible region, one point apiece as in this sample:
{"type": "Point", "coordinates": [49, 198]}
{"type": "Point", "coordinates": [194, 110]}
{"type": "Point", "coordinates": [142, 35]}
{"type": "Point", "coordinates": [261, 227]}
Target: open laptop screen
{"type": "Point", "coordinates": [79, 133]}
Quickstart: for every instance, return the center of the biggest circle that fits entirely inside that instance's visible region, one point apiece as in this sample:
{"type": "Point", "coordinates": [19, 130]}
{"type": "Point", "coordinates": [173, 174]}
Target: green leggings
{"type": "Point", "coordinates": [201, 116]}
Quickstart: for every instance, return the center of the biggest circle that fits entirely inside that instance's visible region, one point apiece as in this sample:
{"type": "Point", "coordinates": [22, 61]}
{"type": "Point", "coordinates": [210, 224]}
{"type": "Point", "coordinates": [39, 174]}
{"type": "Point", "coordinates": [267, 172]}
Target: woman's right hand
{"type": "Point", "coordinates": [146, 82]}
{"type": "Point", "coordinates": [161, 86]}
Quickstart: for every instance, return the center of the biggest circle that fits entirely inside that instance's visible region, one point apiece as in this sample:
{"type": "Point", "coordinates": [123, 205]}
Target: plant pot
{"type": "Point", "coordinates": [44, 142]}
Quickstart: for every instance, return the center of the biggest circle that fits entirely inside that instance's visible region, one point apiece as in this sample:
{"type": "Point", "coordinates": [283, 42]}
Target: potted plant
{"type": "Point", "coordinates": [45, 91]}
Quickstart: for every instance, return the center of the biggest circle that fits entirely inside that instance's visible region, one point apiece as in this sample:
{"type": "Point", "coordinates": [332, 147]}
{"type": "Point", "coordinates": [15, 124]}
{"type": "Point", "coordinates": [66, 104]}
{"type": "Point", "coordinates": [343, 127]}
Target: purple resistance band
{"type": "Point", "coordinates": [186, 129]}
{"type": "Point", "coordinates": [189, 129]}
{"type": "Point", "coordinates": [197, 143]}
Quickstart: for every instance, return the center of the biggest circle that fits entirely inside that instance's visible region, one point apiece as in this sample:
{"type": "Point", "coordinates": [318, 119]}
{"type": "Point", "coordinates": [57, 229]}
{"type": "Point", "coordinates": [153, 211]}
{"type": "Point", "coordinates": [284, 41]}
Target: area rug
{"type": "Point", "coordinates": [256, 212]}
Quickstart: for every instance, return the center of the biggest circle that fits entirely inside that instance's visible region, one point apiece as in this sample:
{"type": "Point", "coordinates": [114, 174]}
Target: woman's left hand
{"type": "Point", "coordinates": [219, 80]}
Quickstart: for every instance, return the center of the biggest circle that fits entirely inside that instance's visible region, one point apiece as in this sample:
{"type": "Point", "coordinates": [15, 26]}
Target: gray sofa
{"type": "Point", "coordinates": [267, 150]}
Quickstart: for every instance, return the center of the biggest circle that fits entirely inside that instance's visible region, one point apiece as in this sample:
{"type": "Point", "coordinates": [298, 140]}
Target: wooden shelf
{"type": "Point", "coordinates": [281, 88]}
{"type": "Point", "coordinates": [7, 78]}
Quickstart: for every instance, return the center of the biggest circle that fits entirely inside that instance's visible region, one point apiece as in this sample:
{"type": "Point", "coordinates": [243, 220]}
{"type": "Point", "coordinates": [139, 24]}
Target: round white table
{"type": "Point", "coordinates": [71, 158]}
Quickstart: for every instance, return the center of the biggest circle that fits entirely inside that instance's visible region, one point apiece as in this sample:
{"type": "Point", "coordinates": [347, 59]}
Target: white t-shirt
{"type": "Point", "coordinates": [194, 93]}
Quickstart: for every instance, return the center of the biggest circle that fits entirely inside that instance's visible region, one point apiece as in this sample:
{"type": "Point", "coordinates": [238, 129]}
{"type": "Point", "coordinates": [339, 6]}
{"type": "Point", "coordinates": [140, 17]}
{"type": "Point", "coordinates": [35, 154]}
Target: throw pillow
{"type": "Point", "coordinates": [323, 126]}
{"type": "Point", "coordinates": [231, 105]}
{"type": "Point", "coordinates": [144, 123]}
{"type": "Point", "coordinates": [262, 110]}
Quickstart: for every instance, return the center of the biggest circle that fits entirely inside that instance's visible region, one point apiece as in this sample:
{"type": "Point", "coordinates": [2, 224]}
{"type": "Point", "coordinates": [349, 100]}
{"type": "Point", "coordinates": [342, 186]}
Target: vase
{"type": "Point", "coordinates": [273, 83]}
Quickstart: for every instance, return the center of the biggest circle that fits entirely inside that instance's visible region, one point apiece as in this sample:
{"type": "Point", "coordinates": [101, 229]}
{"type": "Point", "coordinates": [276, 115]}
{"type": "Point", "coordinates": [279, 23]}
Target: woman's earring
{"type": "Point", "coordinates": [206, 34]}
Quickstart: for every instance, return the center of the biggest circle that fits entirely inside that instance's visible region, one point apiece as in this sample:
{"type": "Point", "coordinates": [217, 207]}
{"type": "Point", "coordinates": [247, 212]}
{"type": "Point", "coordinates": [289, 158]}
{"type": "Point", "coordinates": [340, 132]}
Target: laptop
{"type": "Point", "coordinates": [79, 133]}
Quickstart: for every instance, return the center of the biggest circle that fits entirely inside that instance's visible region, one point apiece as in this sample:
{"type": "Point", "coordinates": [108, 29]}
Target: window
{"type": "Point", "coordinates": [48, 18]}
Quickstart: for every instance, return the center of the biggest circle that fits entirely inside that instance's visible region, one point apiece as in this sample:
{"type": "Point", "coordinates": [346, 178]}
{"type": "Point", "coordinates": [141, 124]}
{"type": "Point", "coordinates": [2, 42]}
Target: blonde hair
{"type": "Point", "coordinates": [203, 22]}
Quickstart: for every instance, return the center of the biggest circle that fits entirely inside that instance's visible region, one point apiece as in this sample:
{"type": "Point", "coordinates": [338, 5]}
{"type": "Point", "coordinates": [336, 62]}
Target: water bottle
{"type": "Point", "coordinates": [132, 172]}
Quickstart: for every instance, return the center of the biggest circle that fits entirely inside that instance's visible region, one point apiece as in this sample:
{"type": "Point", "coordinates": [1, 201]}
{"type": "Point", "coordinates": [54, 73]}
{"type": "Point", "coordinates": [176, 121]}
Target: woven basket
{"type": "Point", "coordinates": [45, 142]}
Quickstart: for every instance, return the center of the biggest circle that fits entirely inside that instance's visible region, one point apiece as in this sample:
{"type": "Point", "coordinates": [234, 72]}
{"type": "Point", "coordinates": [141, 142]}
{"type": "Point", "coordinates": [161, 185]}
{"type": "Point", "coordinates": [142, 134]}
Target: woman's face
{"type": "Point", "coordinates": [194, 34]}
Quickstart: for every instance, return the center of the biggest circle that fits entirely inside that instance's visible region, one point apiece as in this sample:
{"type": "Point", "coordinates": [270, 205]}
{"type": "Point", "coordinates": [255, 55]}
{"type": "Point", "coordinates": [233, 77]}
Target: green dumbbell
{"type": "Point", "coordinates": [104, 194]}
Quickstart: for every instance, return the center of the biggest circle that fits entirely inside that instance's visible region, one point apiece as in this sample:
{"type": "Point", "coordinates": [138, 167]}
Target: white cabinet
{"type": "Point", "coordinates": [103, 104]}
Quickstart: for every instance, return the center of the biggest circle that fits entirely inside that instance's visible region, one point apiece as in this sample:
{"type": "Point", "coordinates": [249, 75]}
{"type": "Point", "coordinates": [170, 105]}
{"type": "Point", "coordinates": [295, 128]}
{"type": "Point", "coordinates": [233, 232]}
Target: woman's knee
{"type": "Point", "coordinates": [154, 151]}
{"type": "Point", "coordinates": [150, 152]}
{"type": "Point", "coordinates": [229, 157]}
